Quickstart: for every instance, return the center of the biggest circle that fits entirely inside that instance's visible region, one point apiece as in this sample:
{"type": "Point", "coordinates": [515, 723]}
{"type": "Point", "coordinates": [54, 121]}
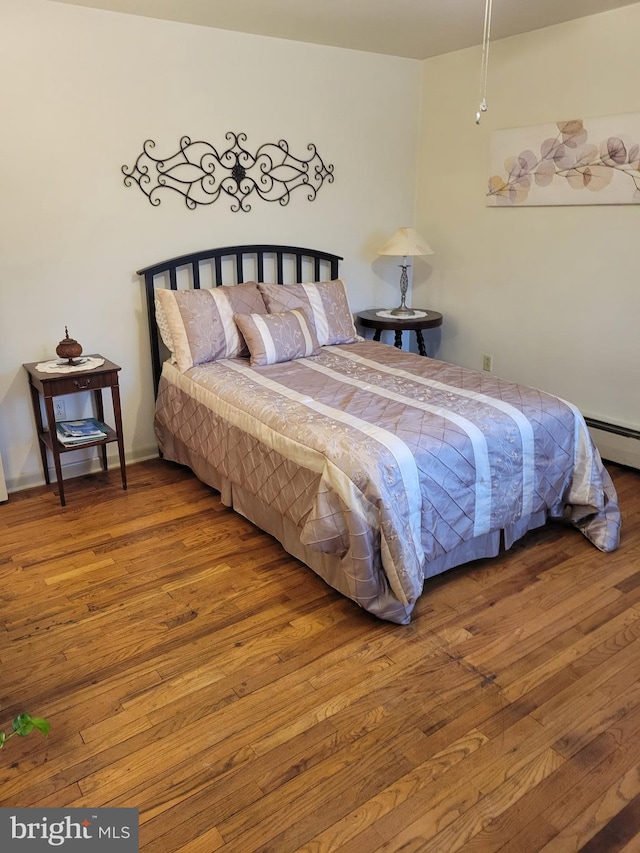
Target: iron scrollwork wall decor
{"type": "Point", "coordinates": [202, 174]}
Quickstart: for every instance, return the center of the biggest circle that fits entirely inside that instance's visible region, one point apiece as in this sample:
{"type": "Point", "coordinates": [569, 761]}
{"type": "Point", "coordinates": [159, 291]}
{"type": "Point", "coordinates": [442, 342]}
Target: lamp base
{"type": "Point", "coordinates": [403, 311]}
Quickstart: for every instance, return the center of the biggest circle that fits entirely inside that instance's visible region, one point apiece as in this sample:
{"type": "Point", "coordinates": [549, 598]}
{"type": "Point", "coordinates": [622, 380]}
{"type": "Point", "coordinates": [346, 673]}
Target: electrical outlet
{"type": "Point", "coordinates": [487, 363]}
{"type": "Point", "coordinates": [59, 410]}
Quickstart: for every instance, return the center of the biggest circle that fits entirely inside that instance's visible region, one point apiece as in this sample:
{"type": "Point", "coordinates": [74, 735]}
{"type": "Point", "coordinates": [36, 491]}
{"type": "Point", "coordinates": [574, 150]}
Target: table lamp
{"type": "Point", "coordinates": [406, 242]}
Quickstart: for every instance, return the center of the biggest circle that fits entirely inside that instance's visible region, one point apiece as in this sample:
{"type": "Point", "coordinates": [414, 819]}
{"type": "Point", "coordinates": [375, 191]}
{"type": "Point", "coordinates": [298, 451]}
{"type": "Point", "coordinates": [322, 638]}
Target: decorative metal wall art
{"type": "Point", "coordinates": [202, 174]}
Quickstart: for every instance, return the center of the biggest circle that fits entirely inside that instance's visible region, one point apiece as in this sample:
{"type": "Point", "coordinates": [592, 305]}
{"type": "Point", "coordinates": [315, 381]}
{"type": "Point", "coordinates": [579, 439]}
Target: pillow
{"type": "Point", "coordinates": [198, 326]}
{"type": "Point", "coordinates": [273, 338]}
{"type": "Point", "coordinates": [325, 302]}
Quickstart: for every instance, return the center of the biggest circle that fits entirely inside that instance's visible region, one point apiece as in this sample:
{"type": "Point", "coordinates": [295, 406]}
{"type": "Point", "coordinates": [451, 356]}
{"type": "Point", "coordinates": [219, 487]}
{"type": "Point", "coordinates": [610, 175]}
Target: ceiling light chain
{"type": "Point", "coordinates": [484, 67]}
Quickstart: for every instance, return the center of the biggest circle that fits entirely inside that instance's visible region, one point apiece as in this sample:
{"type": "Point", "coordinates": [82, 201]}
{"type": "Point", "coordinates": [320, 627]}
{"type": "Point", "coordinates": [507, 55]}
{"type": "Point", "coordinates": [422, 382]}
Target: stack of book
{"type": "Point", "coordinates": [83, 431]}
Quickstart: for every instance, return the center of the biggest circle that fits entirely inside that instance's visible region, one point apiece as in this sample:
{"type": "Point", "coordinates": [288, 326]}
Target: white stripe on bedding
{"type": "Point", "coordinates": [319, 314]}
{"type": "Point", "coordinates": [231, 334]}
{"type": "Point", "coordinates": [301, 317]}
{"type": "Point", "coordinates": [267, 339]}
{"type": "Point", "coordinates": [482, 512]}
{"type": "Point", "coordinates": [522, 422]}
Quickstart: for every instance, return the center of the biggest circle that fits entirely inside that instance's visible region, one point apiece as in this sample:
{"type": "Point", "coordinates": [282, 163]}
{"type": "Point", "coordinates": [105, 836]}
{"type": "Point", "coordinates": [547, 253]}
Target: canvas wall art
{"type": "Point", "coordinates": [579, 161]}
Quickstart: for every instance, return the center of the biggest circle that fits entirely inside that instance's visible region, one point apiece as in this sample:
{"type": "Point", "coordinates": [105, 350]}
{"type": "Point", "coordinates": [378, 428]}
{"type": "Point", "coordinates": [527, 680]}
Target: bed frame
{"type": "Point", "coordinates": [227, 266]}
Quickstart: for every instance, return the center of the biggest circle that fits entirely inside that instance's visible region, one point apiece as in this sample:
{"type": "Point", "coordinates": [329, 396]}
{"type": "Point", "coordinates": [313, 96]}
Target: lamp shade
{"type": "Point", "coordinates": [406, 242]}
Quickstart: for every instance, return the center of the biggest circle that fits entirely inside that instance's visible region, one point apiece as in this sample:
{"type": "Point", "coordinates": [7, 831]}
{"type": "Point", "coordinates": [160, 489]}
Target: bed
{"type": "Point", "coordinates": [376, 468]}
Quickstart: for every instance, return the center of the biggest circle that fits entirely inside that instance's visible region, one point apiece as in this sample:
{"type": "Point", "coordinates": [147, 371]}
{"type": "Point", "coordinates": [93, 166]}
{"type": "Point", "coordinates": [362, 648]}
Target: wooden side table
{"type": "Point", "coordinates": [372, 320]}
{"type": "Point", "coordinates": [50, 385]}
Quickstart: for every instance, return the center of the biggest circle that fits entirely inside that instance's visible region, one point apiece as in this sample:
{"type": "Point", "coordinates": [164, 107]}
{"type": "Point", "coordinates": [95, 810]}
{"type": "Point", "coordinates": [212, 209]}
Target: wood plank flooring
{"type": "Point", "coordinates": [192, 669]}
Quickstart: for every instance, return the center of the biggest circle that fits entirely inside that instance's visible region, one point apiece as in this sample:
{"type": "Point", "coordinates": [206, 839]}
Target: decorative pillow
{"type": "Point", "coordinates": [325, 302]}
{"type": "Point", "coordinates": [273, 338]}
{"type": "Point", "coordinates": [198, 326]}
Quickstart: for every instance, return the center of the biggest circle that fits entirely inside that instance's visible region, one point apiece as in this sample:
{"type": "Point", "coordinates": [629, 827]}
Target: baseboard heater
{"type": "Point", "coordinates": [627, 432]}
{"type": "Point", "coordinates": [616, 443]}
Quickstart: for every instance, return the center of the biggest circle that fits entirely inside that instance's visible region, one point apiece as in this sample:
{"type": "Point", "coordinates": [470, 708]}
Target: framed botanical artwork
{"type": "Point", "coordinates": [579, 161]}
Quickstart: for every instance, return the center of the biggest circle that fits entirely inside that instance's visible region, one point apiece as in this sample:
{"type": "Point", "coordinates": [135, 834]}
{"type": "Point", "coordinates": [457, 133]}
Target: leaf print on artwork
{"type": "Point", "coordinates": [544, 173]}
{"type": "Point", "coordinates": [593, 178]}
{"type": "Point", "coordinates": [573, 132]}
{"type": "Point", "coordinates": [614, 151]}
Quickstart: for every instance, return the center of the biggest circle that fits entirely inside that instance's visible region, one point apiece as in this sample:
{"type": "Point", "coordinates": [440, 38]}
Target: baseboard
{"type": "Point", "coordinates": [79, 468]}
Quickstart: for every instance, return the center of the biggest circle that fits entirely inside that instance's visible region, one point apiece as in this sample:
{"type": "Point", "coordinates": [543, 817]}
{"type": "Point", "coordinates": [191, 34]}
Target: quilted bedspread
{"type": "Point", "coordinates": [390, 461]}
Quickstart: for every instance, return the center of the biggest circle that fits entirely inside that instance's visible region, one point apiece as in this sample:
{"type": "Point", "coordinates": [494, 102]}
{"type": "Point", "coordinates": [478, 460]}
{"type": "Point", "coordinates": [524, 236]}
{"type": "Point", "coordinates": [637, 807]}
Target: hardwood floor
{"type": "Point", "coordinates": [192, 669]}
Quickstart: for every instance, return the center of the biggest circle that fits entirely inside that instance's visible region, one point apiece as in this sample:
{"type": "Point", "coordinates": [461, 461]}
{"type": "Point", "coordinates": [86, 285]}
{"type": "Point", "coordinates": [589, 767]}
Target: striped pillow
{"type": "Point", "coordinates": [198, 326]}
{"type": "Point", "coordinates": [325, 302]}
{"type": "Point", "coordinates": [273, 338]}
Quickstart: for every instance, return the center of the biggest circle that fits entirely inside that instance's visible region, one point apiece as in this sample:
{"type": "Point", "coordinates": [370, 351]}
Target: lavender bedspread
{"type": "Point", "coordinates": [389, 461]}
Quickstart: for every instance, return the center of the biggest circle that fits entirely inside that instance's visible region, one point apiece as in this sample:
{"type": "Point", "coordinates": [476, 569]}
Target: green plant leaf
{"type": "Point", "coordinates": [3, 737]}
{"type": "Point", "coordinates": [23, 725]}
{"type": "Point", "coordinates": [41, 724]}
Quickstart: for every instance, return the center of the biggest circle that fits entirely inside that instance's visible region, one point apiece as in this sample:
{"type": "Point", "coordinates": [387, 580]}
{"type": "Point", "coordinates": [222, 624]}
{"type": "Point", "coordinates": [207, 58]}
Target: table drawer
{"type": "Point", "coordinates": [72, 384]}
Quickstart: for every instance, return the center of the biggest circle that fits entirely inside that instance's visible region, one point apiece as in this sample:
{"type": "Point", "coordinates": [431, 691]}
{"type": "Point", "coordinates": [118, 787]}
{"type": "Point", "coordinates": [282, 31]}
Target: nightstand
{"type": "Point", "coordinates": [50, 385]}
{"type": "Point", "coordinates": [428, 320]}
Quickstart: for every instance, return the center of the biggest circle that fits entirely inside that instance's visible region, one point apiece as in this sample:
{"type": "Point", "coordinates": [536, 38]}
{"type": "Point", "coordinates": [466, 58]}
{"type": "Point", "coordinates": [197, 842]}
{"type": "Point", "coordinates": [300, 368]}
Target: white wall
{"type": "Point", "coordinates": [82, 90]}
{"type": "Point", "coordinates": [553, 293]}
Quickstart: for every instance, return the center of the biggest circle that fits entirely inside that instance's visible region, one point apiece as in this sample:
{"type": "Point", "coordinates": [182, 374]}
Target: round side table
{"type": "Point", "coordinates": [372, 320]}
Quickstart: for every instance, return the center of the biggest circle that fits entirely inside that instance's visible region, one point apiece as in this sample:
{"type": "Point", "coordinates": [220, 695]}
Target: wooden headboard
{"type": "Point", "coordinates": [227, 266]}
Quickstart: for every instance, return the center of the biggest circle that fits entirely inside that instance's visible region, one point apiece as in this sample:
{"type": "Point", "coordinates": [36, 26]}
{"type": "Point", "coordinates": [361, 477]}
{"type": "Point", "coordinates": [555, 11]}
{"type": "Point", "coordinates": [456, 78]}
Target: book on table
{"type": "Point", "coordinates": [80, 431]}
